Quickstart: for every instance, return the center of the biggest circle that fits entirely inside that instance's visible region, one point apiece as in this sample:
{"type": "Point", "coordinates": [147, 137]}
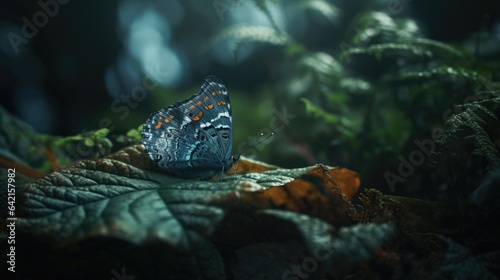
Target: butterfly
{"type": "Point", "coordinates": [193, 138]}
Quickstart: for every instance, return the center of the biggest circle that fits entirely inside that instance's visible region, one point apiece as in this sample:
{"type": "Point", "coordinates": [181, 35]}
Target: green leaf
{"type": "Point", "coordinates": [89, 142]}
{"type": "Point", "coordinates": [318, 112]}
{"type": "Point", "coordinates": [133, 136]}
{"type": "Point", "coordinates": [110, 197]}
{"type": "Point", "coordinates": [125, 196]}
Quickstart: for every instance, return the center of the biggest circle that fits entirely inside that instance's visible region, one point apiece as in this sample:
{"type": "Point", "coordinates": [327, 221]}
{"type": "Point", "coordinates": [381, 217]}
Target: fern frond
{"type": "Point", "coordinates": [486, 110]}
{"type": "Point", "coordinates": [262, 6]}
{"type": "Point", "coordinates": [474, 115]}
{"type": "Point", "coordinates": [381, 28]}
{"type": "Point", "coordinates": [323, 69]}
{"type": "Point", "coordinates": [321, 64]}
{"type": "Point", "coordinates": [444, 72]}
{"type": "Point", "coordinates": [244, 35]}
{"type": "Point", "coordinates": [485, 148]}
{"type": "Point", "coordinates": [328, 10]}
{"type": "Point", "coordinates": [388, 49]}
{"type": "Point", "coordinates": [355, 85]}
{"type": "Point", "coordinates": [438, 46]}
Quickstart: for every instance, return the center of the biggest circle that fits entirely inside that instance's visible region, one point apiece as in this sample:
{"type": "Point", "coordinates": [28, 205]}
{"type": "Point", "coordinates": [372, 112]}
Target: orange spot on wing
{"type": "Point", "coordinates": [171, 117]}
{"type": "Point", "coordinates": [213, 93]}
{"type": "Point", "coordinates": [191, 107]}
{"type": "Point", "coordinates": [206, 98]}
{"type": "Point", "coordinates": [158, 125]}
{"type": "Point", "coordinates": [167, 121]}
{"type": "Point", "coordinates": [198, 103]}
{"type": "Point", "coordinates": [221, 103]}
{"type": "Point", "coordinates": [209, 106]}
{"type": "Point", "coordinates": [197, 117]}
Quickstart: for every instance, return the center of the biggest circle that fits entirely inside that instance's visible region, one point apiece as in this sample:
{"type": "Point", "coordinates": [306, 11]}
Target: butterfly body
{"type": "Point", "coordinates": [193, 138]}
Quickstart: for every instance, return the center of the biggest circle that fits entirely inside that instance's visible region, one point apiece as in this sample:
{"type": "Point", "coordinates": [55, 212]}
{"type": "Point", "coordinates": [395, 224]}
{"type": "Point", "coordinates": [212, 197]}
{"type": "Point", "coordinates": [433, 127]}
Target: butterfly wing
{"type": "Point", "coordinates": [192, 138]}
{"type": "Point", "coordinates": [219, 115]}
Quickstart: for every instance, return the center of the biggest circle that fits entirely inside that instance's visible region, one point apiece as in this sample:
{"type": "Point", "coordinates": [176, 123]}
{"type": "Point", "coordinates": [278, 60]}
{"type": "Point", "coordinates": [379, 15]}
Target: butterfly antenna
{"type": "Point", "coordinates": [248, 146]}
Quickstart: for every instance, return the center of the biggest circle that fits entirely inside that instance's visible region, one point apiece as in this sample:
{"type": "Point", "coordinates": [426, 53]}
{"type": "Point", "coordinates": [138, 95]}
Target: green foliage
{"type": "Point", "coordinates": [135, 205]}
{"type": "Point", "coordinates": [444, 72]}
{"type": "Point", "coordinates": [245, 35]}
{"type": "Point", "coordinates": [88, 144]}
{"type": "Point", "coordinates": [369, 109]}
{"type": "Point", "coordinates": [389, 49]}
{"type": "Point", "coordinates": [378, 27]}
{"type": "Point", "coordinates": [316, 111]}
{"type": "Point", "coordinates": [122, 196]}
{"type": "Point", "coordinates": [97, 138]}
{"type": "Point", "coordinates": [298, 7]}
{"type": "Point", "coordinates": [263, 7]}
{"type": "Point", "coordinates": [328, 10]}
{"type": "Point", "coordinates": [133, 136]}
{"type": "Point", "coordinates": [475, 116]}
